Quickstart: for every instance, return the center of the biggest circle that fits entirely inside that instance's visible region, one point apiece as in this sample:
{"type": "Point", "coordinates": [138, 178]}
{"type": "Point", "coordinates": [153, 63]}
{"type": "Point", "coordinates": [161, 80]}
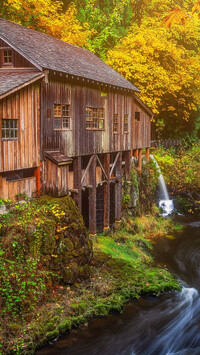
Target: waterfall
{"type": "Point", "coordinates": [164, 202]}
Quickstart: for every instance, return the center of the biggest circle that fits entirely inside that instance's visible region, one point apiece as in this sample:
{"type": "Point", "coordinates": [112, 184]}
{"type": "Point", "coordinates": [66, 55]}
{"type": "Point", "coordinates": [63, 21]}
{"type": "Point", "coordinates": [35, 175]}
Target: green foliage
{"type": "Point", "coordinates": [126, 199]}
{"type": "Point", "coordinates": [109, 21]}
{"type": "Point", "coordinates": [181, 171]}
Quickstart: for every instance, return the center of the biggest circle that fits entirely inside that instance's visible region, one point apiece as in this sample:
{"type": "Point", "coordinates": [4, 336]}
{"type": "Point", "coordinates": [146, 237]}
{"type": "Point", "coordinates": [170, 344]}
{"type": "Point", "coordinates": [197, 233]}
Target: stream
{"type": "Point", "coordinates": [166, 325]}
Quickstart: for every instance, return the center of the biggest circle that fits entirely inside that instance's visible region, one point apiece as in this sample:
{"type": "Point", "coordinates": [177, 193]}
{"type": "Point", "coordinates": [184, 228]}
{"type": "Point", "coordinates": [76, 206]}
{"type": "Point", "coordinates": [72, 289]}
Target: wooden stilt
{"type": "Point", "coordinates": [136, 153]}
{"type": "Point", "coordinates": [37, 175]}
{"type": "Point", "coordinates": [131, 153]}
{"type": "Point", "coordinates": [118, 189]}
{"type": "Point", "coordinates": [107, 194]}
{"type": "Point", "coordinates": [127, 164]}
{"type": "Point", "coordinates": [140, 161]}
{"type": "Point", "coordinates": [77, 182]}
{"type": "Point", "coordinates": [147, 154]}
{"type": "Point", "coordinates": [92, 198]}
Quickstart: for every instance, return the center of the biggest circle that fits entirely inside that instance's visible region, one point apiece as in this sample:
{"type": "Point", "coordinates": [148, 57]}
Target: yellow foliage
{"type": "Point", "coordinates": [47, 16]}
{"type": "Point", "coordinates": [163, 63]}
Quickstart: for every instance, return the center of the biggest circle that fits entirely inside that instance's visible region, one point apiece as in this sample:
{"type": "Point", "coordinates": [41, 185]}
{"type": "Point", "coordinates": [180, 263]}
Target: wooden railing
{"type": "Point", "coordinates": [167, 143]}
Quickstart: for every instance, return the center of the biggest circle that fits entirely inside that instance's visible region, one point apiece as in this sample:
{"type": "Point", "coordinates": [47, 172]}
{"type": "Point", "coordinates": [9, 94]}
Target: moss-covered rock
{"type": "Point", "coordinates": [43, 243]}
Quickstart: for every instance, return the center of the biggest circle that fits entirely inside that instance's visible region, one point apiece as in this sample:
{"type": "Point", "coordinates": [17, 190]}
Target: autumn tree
{"type": "Point", "coordinates": [108, 19]}
{"type": "Point", "coordinates": [47, 16]}
{"type": "Point", "coordinates": [165, 65]}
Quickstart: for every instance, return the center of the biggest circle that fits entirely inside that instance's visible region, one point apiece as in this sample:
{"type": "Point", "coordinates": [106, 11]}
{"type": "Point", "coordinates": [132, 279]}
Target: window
{"type": "Point", "coordinates": [137, 116]}
{"type": "Point", "coordinates": [7, 57]}
{"type": "Point", "coordinates": [95, 118]}
{"type": "Point", "coordinates": [61, 116]}
{"type": "Point", "coordinates": [125, 123]}
{"type": "Point", "coordinates": [115, 123]}
{"type": "Point", "coordinates": [10, 129]}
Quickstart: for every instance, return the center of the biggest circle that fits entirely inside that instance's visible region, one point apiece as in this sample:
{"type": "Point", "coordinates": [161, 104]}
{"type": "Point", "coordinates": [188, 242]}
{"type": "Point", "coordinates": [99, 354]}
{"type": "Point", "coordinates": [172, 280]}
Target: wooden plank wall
{"type": "Point", "coordinates": [141, 130]}
{"type": "Point", "coordinates": [23, 152]}
{"type": "Point", "coordinates": [79, 141]}
{"type": "Point", "coordinates": [56, 179]}
{"type": "Point", "coordinates": [9, 189]}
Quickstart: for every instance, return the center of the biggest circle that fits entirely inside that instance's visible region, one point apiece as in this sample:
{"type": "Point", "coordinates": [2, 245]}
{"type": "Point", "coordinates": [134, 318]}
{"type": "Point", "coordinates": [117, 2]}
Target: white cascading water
{"type": "Point", "coordinates": [164, 202]}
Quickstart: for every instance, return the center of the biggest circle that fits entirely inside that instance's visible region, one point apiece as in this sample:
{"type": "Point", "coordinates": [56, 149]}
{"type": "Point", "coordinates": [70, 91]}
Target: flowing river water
{"type": "Point", "coordinates": [166, 325]}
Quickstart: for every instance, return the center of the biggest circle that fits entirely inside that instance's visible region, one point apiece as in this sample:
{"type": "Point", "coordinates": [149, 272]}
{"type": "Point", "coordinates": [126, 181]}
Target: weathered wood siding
{"type": "Point", "coordinates": [56, 179]}
{"type": "Point", "coordinates": [80, 141]}
{"type": "Point", "coordinates": [141, 130]}
{"type": "Point", "coordinates": [23, 152]}
{"type": "Point", "coordinates": [9, 189]}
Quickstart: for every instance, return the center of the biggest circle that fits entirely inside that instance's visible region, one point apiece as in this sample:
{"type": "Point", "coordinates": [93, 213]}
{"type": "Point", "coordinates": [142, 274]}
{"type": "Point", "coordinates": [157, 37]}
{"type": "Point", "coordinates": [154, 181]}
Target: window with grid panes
{"type": "Point", "coordinates": [88, 117]}
{"type": "Point", "coordinates": [61, 116]}
{"type": "Point", "coordinates": [115, 123]}
{"type": "Point", "coordinates": [95, 118]}
{"type": "Point", "coordinates": [125, 123]}
{"type": "Point", "coordinates": [10, 129]}
{"type": "Point", "coordinates": [7, 56]}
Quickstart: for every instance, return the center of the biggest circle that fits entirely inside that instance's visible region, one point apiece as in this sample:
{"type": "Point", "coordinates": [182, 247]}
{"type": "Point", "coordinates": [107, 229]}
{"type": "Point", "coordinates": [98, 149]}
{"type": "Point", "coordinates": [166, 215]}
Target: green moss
{"type": "Point", "coordinates": [65, 326]}
{"type": "Point", "coordinates": [52, 335]}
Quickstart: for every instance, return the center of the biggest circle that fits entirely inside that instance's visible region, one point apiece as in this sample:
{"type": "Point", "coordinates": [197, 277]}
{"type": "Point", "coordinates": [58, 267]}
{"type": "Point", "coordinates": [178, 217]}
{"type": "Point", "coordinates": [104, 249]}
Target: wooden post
{"type": "Point", "coordinates": [107, 194]}
{"type": "Point", "coordinates": [140, 161]}
{"type": "Point", "coordinates": [118, 190]}
{"type": "Point", "coordinates": [136, 153]}
{"type": "Point", "coordinates": [147, 154]}
{"type": "Point", "coordinates": [77, 182]}
{"type": "Point", "coordinates": [37, 175]}
{"type": "Point", "coordinates": [127, 164]}
{"type": "Point", "coordinates": [92, 198]}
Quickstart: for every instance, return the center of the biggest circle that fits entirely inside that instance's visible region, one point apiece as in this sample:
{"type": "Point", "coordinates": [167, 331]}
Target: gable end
{"type": "Point", "coordinates": [17, 53]}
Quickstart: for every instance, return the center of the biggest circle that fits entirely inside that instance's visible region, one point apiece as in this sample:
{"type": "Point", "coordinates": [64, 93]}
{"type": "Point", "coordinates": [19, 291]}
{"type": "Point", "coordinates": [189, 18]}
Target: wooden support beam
{"type": "Point", "coordinates": [38, 186]}
{"type": "Point", "coordinates": [92, 198]}
{"type": "Point", "coordinates": [118, 189]}
{"type": "Point", "coordinates": [102, 168]}
{"type": "Point", "coordinates": [147, 154]}
{"type": "Point", "coordinates": [87, 169]}
{"type": "Point", "coordinates": [77, 182]}
{"type": "Point", "coordinates": [127, 164]}
{"type": "Point", "coordinates": [140, 161]}
{"type": "Point", "coordinates": [136, 153]}
{"type": "Point", "coordinates": [107, 194]}
{"type": "Point", "coordinates": [114, 164]}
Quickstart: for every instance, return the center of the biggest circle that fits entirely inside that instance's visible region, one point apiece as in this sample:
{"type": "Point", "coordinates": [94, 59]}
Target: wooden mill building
{"type": "Point", "coordinates": [69, 124]}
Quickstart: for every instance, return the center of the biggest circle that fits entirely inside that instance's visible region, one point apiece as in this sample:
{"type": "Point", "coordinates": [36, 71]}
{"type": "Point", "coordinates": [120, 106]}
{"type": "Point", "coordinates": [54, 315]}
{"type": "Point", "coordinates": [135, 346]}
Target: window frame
{"type": "Point", "coordinates": [93, 120]}
{"type": "Point", "coordinates": [64, 108]}
{"type": "Point", "coordinates": [10, 129]}
{"type": "Point", "coordinates": [116, 123]}
{"type": "Point", "coordinates": [9, 63]}
{"type": "Point", "coordinates": [126, 123]}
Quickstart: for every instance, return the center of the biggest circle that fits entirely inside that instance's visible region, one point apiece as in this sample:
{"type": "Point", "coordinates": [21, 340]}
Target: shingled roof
{"type": "Point", "coordinates": [50, 53]}
{"type": "Point", "coordinates": [11, 81]}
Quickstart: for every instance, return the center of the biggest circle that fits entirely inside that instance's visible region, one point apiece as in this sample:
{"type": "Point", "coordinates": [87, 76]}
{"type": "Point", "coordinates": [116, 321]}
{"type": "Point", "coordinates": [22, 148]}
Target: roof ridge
{"type": "Point", "coordinates": [47, 52]}
{"type": "Point", "coordinates": [45, 34]}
